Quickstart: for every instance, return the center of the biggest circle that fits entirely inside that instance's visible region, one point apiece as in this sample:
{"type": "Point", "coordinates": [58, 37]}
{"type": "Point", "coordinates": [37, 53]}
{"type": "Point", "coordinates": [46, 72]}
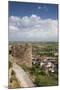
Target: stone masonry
{"type": "Point", "coordinates": [22, 54]}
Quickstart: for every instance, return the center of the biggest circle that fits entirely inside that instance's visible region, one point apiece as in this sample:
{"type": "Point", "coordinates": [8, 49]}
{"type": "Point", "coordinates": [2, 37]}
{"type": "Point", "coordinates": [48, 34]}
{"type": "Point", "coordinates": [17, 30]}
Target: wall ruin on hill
{"type": "Point", "coordinates": [22, 54]}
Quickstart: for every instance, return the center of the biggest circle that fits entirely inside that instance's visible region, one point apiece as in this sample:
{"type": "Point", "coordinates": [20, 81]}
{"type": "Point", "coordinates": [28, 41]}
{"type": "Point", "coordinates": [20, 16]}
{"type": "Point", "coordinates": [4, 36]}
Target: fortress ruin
{"type": "Point", "coordinates": [22, 54]}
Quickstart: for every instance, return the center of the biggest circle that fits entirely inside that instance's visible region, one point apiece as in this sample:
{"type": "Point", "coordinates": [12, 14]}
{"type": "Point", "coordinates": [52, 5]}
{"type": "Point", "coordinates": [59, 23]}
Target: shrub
{"type": "Point", "coordinates": [13, 73]}
{"type": "Point", "coordinates": [10, 64]}
{"type": "Point", "coordinates": [13, 80]}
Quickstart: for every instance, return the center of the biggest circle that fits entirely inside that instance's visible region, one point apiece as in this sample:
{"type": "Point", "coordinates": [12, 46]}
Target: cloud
{"type": "Point", "coordinates": [39, 7]}
{"type": "Point", "coordinates": [32, 28]}
{"type": "Point", "coordinates": [42, 8]}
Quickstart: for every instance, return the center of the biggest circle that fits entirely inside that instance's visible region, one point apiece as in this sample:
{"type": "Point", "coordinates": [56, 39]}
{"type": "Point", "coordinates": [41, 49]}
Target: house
{"type": "Point", "coordinates": [42, 63]}
{"type": "Point", "coordinates": [46, 63]}
{"type": "Point", "coordinates": [47, 66]}
{"type": "Point", "coordinates": [35, 61]}
{"type": "Point", "coordinates": [50, 66]}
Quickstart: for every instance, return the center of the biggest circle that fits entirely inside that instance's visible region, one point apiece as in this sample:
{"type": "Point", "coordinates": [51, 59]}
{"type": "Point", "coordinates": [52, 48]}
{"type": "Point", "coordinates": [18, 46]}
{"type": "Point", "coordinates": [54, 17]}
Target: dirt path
{"type": "Point", "coordinates": [22, 76]}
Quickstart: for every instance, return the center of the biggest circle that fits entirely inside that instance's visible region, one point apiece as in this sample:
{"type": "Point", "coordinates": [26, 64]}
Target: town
{"type": "Point", "coordinates": [47, 63]}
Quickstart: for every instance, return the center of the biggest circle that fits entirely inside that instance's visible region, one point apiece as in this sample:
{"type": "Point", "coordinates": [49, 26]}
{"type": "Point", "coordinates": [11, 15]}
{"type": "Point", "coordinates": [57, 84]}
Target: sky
{"type": "Point", "coordinates": [32, 21]}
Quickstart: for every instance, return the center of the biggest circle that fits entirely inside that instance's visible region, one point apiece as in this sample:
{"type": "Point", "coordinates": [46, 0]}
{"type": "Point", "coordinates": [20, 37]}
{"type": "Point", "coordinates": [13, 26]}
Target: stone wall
{"type": "Point", "coordinates": [22, 54]}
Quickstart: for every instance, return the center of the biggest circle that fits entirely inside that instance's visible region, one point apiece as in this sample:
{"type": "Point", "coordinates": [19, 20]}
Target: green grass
{"type": "Point", "coordinates": [47, 49]}
{"type": "Point", "coordinates": [41, 79]}
{"type": "Point", "coordinates": [45, 81]}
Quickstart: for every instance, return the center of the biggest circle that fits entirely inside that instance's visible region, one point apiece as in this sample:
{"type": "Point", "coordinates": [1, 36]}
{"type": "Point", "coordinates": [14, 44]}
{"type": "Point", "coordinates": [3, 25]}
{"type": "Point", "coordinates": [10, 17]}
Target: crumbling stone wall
{"type": "Point", "coordinates": [22, 54]}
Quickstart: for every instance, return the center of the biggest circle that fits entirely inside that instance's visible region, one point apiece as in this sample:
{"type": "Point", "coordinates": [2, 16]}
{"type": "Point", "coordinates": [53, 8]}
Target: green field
{"type": "Point", "coordinates": [47, 49]}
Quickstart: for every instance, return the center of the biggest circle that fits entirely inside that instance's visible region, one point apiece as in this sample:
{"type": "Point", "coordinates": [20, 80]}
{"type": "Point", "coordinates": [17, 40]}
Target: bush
{"type": "Point", "coordinates": [37, 81]}
{"type": "Point", "coordinates": [13, 73]}
{"type": "Point", "coordinates": [10, 64]}
{"type": "Point", "coordinates": [13, 80]}
{"type": "Point", "coordinates": [42, 72]}
{"type": "Point", "coordinates": [15, 84]}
